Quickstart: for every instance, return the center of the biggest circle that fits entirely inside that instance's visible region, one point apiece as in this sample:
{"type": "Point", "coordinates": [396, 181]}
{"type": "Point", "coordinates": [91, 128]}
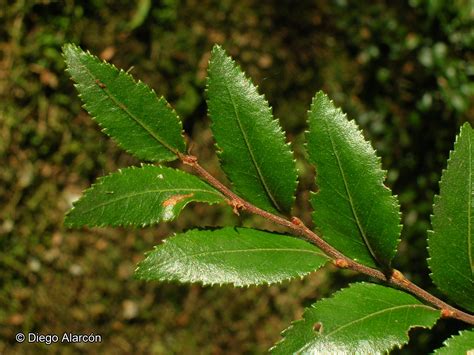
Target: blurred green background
{"type": "Point", "coordinates": [403, 70]}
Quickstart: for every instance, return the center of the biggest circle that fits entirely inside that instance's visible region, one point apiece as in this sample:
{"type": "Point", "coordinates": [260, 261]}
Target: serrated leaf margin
{"type": "Point", "coordinates": [221, 284]}
{"type": "Point", "coordinates": [160, 99]}
{"type": "Point", "coordinates": [380, 172]}
{"type": "Point", "coordinates": [276, 129]}
{"type": "Point", "coordinates": [100, 181]}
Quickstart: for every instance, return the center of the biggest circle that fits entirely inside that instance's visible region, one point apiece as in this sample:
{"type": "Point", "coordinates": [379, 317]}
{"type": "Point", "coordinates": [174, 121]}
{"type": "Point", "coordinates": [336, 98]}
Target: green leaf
{"type": "Point", "coordinates": [139, 196]}
{"type": "Point", "coordinates": [354, 211]}
{"type": "Point", "coordinates": [238, 256]}
{"type": "Point", "coordinates": [363, 319]}
{"type": "Point", "coordinates": [459, 344]}
{"type": "Point", "coordinates": [128, 111]}
{"type": "Point", "coordinates": [451, 243]}
{"type": "Point", "coordinates": [251, 143]}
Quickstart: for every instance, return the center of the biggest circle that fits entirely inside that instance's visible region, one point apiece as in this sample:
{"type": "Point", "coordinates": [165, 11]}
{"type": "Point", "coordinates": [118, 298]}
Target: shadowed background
{"type": "Point", "coordinates": [404, 71]}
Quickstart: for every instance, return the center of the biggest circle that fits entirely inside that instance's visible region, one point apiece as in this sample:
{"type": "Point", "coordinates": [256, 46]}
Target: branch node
{"type": "Point", "coordinates": [296, 221]}
{"type": "Point", "coordinates": [341, 263]}
{"type": "Point", "coordinates": [446, 313]}
{"type": "Point", "coordinates": [236, 206]}
{"type": "Point", "coordinates": [399, 278]}
{"type": "Point", "coordinates": [190, 160]}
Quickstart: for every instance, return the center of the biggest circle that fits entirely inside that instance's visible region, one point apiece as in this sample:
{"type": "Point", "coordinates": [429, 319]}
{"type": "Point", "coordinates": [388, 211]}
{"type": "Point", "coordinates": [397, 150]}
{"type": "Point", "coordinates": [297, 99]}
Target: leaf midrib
{"type": "Point", "coordinates": [469, 202]}
{"type": "Point", "coordinates": [207, 253]}
{"type": "Point", "coordinates": [247, 143]}
{"type": "Point", "coordinates": [122, 107]}
{"type": "Point", "coordinates": [123, 197]}
{"type": "Point", "coordinates": [351, 203]}
{"type": "Point", "coordinates": [375, 314]}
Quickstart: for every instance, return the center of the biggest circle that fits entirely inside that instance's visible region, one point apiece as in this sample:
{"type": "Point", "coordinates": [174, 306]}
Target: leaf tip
{"type": "Point", "coordinates": [68, 47]}
{"type": "Point", "coordinates": [217, 48]}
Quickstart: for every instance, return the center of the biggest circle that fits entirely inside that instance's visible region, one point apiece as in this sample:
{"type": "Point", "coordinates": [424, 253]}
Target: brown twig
{"type": "Point", "coordinates": [394, 278]}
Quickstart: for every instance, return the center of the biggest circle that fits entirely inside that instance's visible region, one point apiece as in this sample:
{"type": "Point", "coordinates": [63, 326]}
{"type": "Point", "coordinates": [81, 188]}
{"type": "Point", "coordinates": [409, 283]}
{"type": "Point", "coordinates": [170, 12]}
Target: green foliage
{"type": "Point", "coordinates": [364, 318]}
{"type": "Point", "coordinates": [139, 197]}
{"type": "Point", "coordinates": [239, 256]}
{"type": "Point", "coordinates": [128, 111]}
{"type": "Point", "coordinates": [354, 211]}
{"type": "Point", "coordinates": [458, 344]}
{"type": "Point", "coordinates": [351, 188]}
{"type": "Point", "coordinates": [453, 221]}
{"type": "Point", "coordinates": [251, 142]}
{"type": "Point", "coordinates": [365, 56]}
{"type": "Point", "coordinates": [404, 71]}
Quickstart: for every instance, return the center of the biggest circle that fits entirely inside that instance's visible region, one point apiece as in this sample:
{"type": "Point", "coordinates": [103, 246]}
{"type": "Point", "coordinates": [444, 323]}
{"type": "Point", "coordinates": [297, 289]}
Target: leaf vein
{"type": "Point", "coordinates": [247, 143]}
{"type": "Point", "coordinates": [469, 210]}
{"type": "Point", "coordinates": [344, 178]}
{"type": "Point", "coordinates": [130, 114]}
{"type": "Point", "coordinates": [127, 196]}
{"type": "Point", "coordinates": [390, 310]}
{"type": "Point", "coordinates": [206, 253]}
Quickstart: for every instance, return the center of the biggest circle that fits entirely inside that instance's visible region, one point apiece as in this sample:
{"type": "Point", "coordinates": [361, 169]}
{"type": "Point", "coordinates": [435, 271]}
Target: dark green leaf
{"type": "Point", "coordinates": [239, 256]}
{"type": "Point", "coordinates": [252, 146]}
{"type": "Point", "coordinates": [139, 196]}
{"type": "Point", "coordinates": [459, 344]}
{"type": "Point", "coordinates": [363, 319]}
{"type": "Point", "coordinates": [128, 111]}
{"type": "Point", "coordinates": [451, 243]}
{"type": "Point", "coordinates": [353, 209]}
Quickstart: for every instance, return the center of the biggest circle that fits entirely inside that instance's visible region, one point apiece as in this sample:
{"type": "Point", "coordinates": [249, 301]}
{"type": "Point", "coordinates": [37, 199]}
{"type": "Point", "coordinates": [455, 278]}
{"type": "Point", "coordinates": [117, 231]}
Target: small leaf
{"type": "Point", "coordinates": [364, 319]}
{"type": "Point", "coordinates": [238, 256]}
{"type": "Point", "coordinates": [251, 143]}
{"type": "Point", "coordinates": [128, 111]}
{"type": "Point", "coordinates": [139, 196]}
{"type": "Point", "coordinates": [354, 211]}
{"type": "Point", "coordinates": [451, 243]}
{"type": "Point", "coordinates": [459, 344]}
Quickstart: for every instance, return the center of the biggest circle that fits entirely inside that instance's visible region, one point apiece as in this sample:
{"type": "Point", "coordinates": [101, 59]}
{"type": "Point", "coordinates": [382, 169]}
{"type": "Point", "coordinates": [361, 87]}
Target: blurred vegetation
{"type": "Point", "coordinates": [403, 70]}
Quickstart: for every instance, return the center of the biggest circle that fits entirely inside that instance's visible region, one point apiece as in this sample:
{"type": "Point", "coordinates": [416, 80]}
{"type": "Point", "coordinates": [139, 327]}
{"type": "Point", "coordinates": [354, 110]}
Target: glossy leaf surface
{"type": "Point", "coordinates": [128, 111]}
{"type": "Point", "coordinates": [458, 344]}
{"type": "Point", "coordinates": [238, 256]}
{"type": "Point", "coordinates": [252, 146]}
{"type": "Point", "coordinates": [139, 196]}
{"type": "Point", "coordinates": [364, 319]}
{"type": "Point", "coordinates": [353, 210]}
{"type": "Point", "coordinates": [451, 243]}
